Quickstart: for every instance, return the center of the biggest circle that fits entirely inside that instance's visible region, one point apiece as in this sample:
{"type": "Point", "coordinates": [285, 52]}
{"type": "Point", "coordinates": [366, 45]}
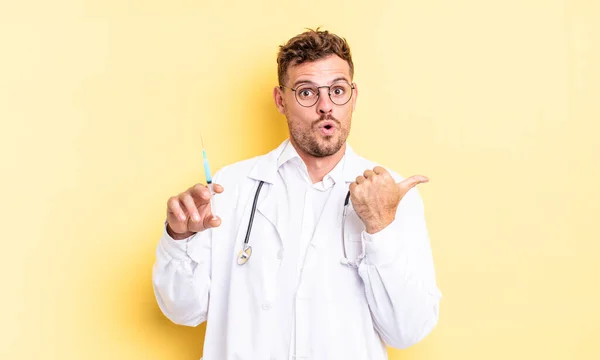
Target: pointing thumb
{"type": "Point", "coordinates": [412, 181]}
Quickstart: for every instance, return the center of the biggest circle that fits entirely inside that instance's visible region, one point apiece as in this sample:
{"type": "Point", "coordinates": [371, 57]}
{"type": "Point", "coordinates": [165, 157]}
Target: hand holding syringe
{"type": "Point", "coordinates": [190, 211]}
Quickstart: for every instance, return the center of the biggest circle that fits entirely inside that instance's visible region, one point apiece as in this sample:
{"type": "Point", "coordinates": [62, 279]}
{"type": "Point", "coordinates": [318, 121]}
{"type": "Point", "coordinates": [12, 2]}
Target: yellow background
{"type": "Point", "coordinates": [102, 104]}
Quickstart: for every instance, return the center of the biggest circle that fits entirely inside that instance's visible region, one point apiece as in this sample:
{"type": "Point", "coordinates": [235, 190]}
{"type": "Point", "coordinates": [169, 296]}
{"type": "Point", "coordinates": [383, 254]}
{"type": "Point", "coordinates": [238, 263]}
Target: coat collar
{"type": "Point", "coordinates": [265, 169]}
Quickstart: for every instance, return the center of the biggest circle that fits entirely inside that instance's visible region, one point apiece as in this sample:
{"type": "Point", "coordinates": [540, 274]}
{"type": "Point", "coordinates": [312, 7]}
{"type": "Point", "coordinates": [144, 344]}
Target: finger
{"type": "Point", "coordinates": [218, 188]}
{"type": "Point", "coordinates": [190, 207]}
{"type": "Point", "coordinates": [352, 187]}
{"type": "Point", "coordinates": [369, 174]}
{"type": "Point", "coordinates": [412, 181]}
{"type": "Point", "coordinates": [200, 194]}
{"type": "Point", "coordinates": [211, 221]}
{"type": "Point", "coordinates": [360, 179]}
{"type": "Point", "coordinates": [379, 170]}
{"type": "Point", "coordinates": [354, 191]}
{"type": "Point", "coordinates": [174, 207]}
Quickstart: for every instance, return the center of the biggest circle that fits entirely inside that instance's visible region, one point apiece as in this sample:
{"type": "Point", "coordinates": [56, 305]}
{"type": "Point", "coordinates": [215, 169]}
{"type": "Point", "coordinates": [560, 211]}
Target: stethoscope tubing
{"type": "Point", "coordinates": [246, 251]}
{"type": "Point", "coordinates": [252, 213]}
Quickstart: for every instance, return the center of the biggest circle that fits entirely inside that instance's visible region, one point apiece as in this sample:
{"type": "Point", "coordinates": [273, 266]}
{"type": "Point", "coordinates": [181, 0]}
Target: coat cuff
{"type": "Point", "coordinates": [176, 249]}
{"type": "Point", "coordinates": [384, 246]}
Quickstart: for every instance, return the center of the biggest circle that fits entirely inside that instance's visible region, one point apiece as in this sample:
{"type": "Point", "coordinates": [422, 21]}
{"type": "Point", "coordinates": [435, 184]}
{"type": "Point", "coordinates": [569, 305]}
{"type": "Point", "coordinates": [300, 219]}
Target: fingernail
{"type": "Point", "coordinates": [214, 218]}
{"type": "Point", "coordinates": [196, 218]}
{"type": "Point", "coordinates": [182, 217]}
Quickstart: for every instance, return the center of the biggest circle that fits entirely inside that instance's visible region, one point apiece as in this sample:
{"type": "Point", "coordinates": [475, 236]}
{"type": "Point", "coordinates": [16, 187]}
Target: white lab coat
{"type": "Point", "coordinates": [340, 312]}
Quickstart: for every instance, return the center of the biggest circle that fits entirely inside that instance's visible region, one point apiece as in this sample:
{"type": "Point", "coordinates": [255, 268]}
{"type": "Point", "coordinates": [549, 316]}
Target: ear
{"type": "Point", "coordinates": [278, 97]}
{"type": "Point", "coordinates": [354, 97]}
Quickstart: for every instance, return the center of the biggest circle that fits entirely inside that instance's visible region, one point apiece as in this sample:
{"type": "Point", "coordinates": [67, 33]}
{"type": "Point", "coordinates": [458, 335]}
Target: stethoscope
{"type": "Point", "coordinates": [246, 251]}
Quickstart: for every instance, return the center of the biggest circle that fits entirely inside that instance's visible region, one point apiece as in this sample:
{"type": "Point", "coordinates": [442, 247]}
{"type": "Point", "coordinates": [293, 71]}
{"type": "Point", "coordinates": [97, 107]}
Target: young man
{"type": "Point", "coordinates": [316, 252]}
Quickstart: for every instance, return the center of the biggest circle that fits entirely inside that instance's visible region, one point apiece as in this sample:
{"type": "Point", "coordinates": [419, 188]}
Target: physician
{"type": "Point", "coordinates": [309, 252]}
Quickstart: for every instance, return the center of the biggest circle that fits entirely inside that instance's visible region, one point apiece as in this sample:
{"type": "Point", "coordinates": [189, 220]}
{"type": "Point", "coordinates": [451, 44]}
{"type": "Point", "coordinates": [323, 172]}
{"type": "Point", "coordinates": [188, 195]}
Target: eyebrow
{"type": "Point", "coordinates": [301, 82]}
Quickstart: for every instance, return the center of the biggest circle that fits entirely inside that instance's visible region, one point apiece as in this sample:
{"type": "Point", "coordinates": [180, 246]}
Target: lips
{"type": "Point", "coordinates": [327, 128]}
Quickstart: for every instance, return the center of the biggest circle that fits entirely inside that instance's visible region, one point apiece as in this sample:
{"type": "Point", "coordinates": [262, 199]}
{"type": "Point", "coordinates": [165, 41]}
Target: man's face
{"type": "Point", "coordinates": [321, 129]}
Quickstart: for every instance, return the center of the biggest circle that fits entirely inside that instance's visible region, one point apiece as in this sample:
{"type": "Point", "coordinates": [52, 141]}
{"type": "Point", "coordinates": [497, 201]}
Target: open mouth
{"type": "Point", "coordinates": [328, 124]}
{"type": "Point", "coordinates": [327, 128]}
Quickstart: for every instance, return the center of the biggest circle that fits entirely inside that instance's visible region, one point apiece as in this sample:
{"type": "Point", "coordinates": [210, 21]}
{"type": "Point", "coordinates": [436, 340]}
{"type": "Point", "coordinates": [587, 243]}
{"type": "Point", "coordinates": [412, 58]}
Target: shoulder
{"type": "Point", "coordinates": [261, 167]}
{"type": "Point", "coordinates": [236, 171]}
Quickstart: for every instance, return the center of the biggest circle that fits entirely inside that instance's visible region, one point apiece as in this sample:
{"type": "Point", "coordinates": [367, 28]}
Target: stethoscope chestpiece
{"type": "Point", "coordinates": [244, 254]}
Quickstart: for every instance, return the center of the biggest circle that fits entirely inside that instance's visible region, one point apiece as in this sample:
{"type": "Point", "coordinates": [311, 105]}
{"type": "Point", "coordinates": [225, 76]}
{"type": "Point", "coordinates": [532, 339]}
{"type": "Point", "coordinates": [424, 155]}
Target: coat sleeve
{"type": "Point", "coordinates": [399, 277]}
{"type": "Point", "coordinates": [181, 277]}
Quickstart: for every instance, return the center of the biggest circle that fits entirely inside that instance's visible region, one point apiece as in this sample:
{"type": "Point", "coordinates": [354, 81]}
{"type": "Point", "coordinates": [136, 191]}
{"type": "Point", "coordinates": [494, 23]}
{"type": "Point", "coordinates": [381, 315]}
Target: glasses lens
{"type": "Point", "coordinates": [307, 95]}
{"type": "Point", "coordinates": [340, 93]}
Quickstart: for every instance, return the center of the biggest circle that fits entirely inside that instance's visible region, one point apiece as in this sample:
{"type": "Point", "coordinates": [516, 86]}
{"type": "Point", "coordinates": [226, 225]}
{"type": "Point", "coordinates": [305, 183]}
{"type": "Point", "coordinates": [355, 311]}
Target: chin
{"type": "Point", "coordinates": [329, 148]}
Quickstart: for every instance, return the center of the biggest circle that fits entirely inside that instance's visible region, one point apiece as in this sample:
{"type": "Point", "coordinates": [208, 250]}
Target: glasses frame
{"type": "Point", "coordinates": [352, 87]}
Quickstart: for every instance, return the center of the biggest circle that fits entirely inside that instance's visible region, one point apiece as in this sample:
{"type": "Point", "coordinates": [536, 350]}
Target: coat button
{"type": "Point", "coordinates": [280, 254]}
{"type": "Point", "coordinates": [266, 307]}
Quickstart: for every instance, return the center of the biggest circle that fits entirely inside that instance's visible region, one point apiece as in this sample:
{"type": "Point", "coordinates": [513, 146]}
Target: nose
{"type": "Point", "coordinates": [324, 104]}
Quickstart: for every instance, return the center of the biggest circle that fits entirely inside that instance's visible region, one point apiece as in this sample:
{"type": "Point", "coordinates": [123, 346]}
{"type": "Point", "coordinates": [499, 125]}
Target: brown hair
{"type": "Point", "coordinates": [310, 46]}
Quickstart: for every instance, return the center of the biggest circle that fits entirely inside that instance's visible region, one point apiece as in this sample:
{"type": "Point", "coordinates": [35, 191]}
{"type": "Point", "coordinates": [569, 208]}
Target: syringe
{"type": "Point", "coordinates": [207, 173]}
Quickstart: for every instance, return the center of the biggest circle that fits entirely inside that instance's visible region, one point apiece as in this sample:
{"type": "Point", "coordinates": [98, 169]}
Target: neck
{"type": "Point", "coordinates": [318, 167]}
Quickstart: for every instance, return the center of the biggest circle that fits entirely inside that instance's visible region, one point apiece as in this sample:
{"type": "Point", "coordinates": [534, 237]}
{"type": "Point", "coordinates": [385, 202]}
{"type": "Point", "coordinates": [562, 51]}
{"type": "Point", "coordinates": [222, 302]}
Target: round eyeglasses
{"type": "Point", "coordinates": [307, 94]}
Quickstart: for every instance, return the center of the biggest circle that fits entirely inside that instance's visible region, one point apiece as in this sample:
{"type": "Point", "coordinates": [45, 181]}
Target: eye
{"type": "Point", "coordinates": [306, 92]}
{"type": "Point", "coordinates": [338, 91]}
